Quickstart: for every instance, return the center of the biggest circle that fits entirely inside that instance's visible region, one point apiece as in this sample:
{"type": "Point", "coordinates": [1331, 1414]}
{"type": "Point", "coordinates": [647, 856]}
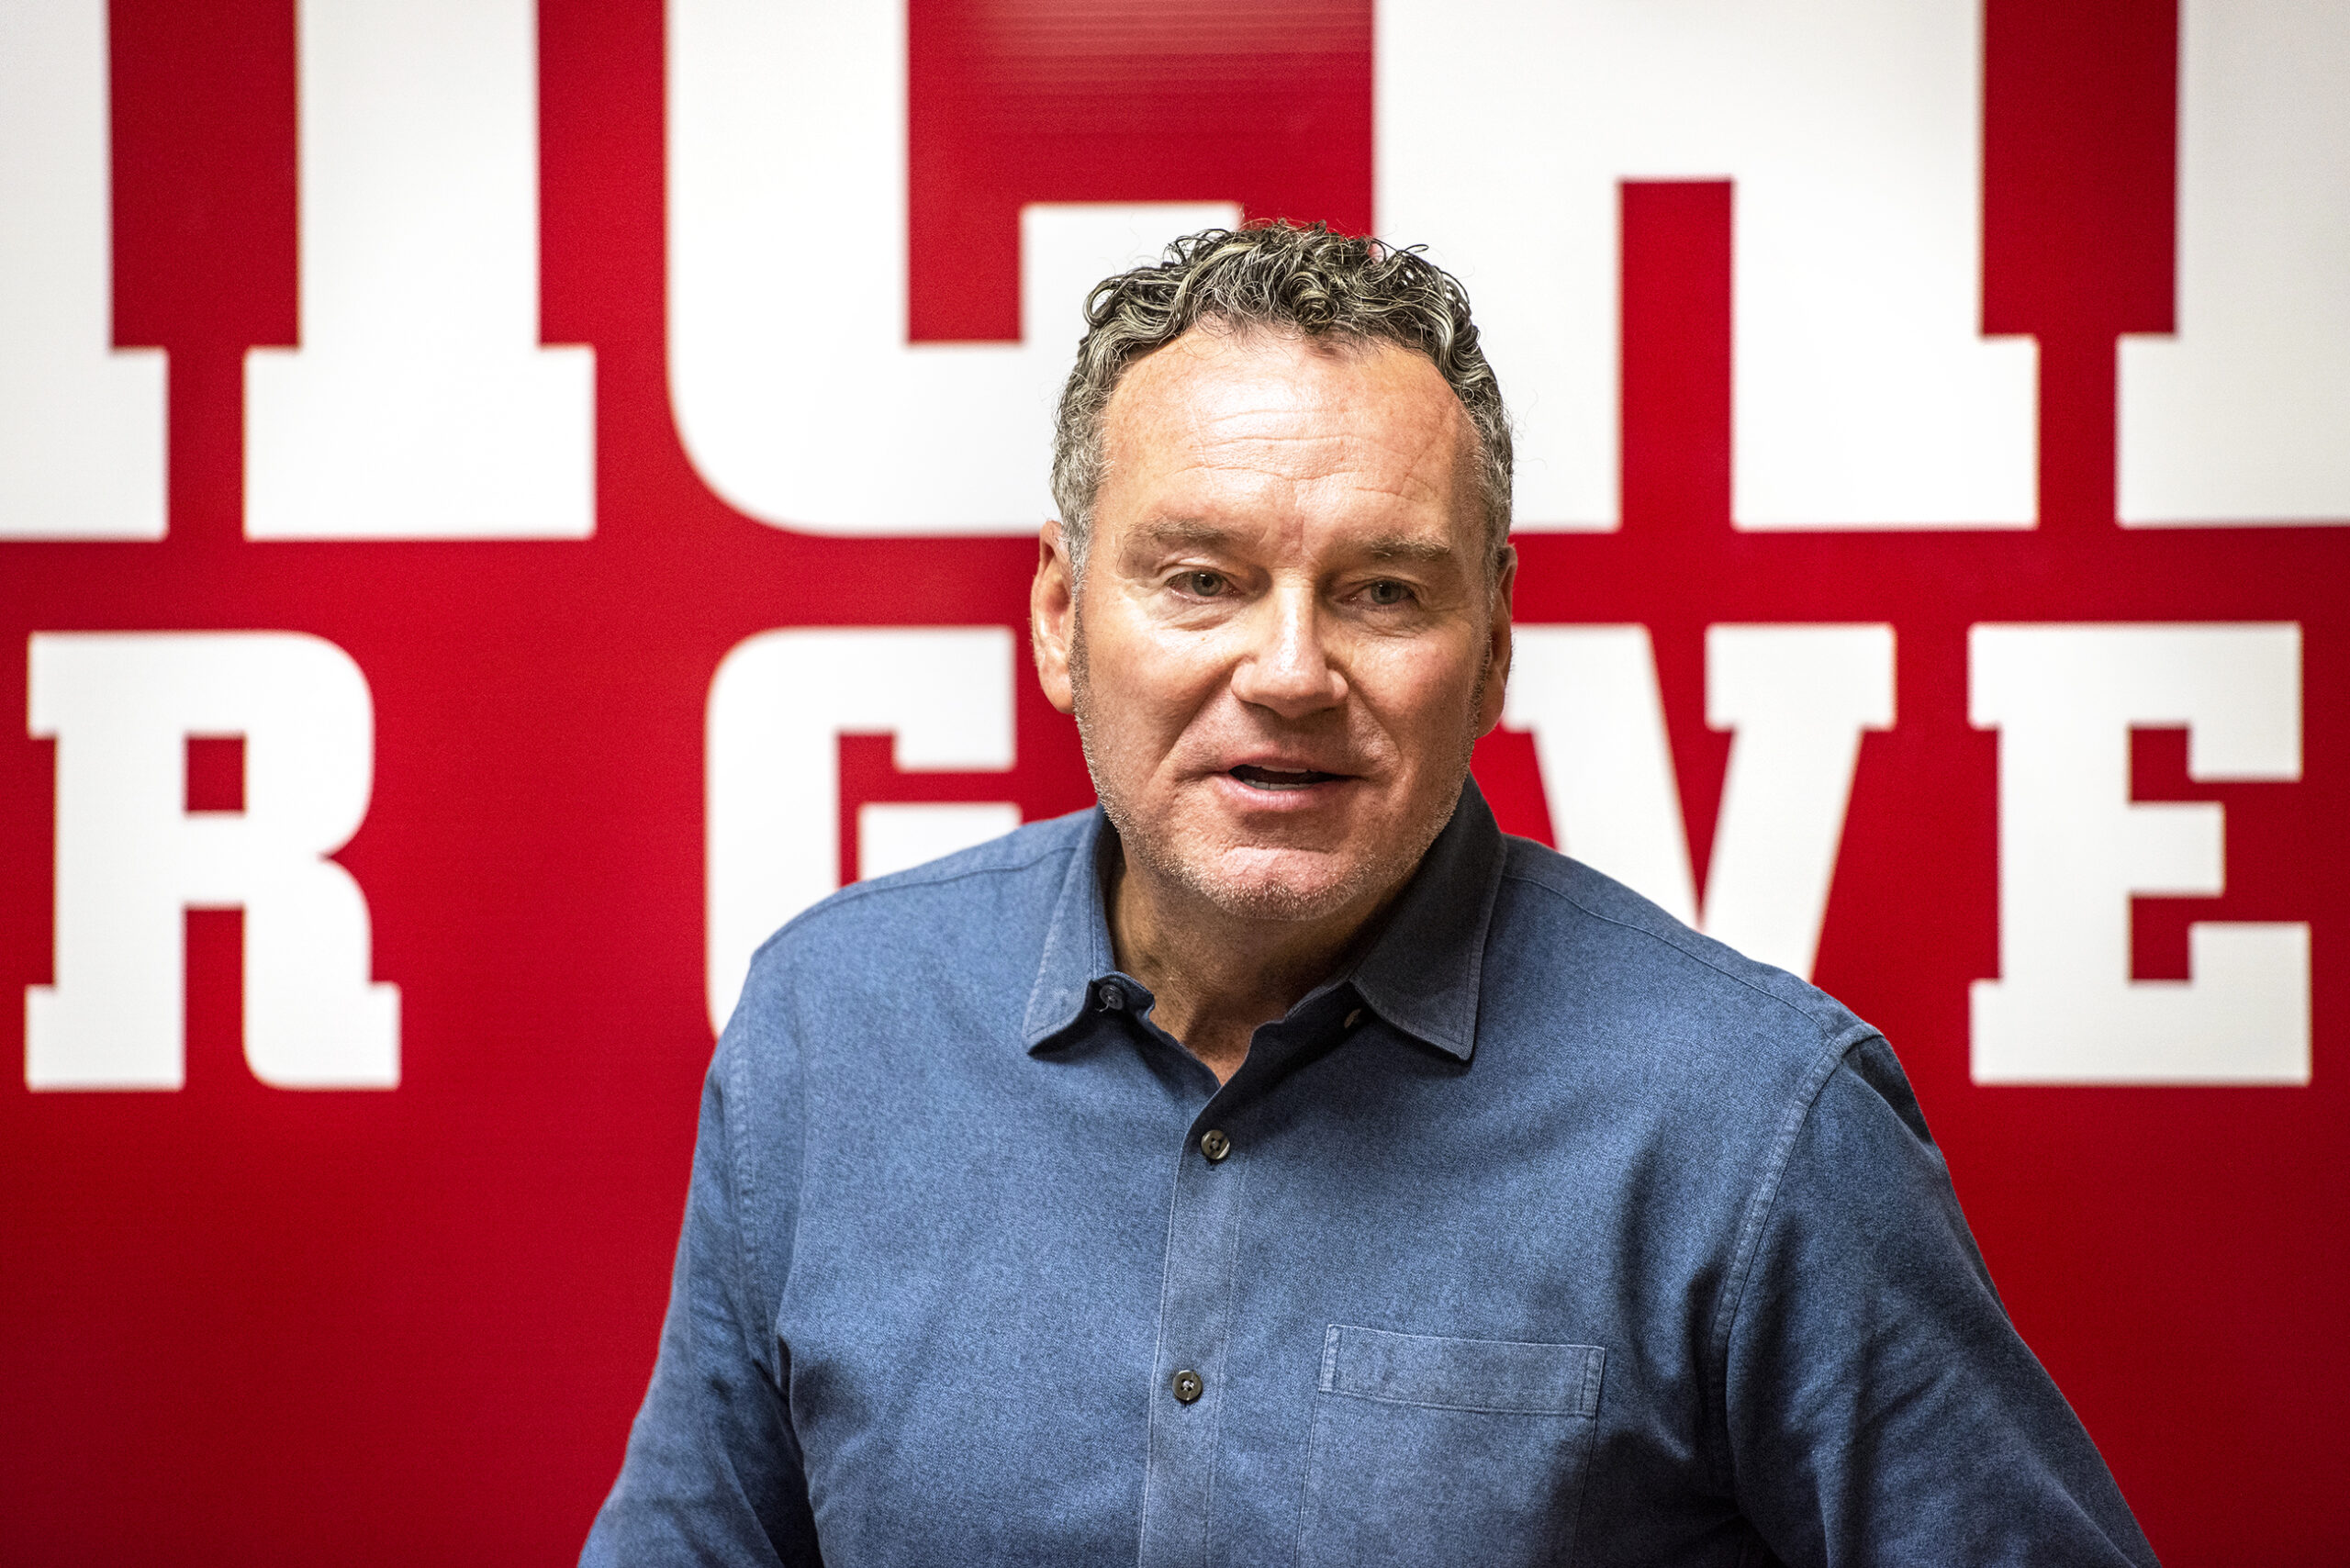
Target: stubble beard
{"type": "Point", "coordinates": [1262, 898]}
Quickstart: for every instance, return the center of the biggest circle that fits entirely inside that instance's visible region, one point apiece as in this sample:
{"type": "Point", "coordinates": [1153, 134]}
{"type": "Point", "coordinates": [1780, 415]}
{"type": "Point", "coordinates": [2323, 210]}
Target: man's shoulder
{"type": "Point", "coordinates": [1013, 880]}
{"type": "Point", "coordinates": [1586, 931]}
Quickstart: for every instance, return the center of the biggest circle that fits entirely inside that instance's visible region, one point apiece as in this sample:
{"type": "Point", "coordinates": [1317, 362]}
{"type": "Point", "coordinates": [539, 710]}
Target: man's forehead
{"type": "Point", "coordinates": [1219, 371]}
{"type": "Point", "coordinates": [1282, 407]}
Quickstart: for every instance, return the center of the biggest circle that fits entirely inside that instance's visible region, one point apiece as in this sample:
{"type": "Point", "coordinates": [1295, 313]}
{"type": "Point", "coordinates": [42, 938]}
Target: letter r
{"type": "Point", "coordinates": [131, 858]}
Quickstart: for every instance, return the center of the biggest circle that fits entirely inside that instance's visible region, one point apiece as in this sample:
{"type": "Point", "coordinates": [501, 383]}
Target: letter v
{"type": "Point", "coordinates": [1796, 698]}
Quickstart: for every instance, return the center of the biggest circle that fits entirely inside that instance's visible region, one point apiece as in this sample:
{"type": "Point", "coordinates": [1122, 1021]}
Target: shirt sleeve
{"type": "Point", "coordinates": [712, 1473]}
{"type": "Point", "coordinates": [1880, 1406]}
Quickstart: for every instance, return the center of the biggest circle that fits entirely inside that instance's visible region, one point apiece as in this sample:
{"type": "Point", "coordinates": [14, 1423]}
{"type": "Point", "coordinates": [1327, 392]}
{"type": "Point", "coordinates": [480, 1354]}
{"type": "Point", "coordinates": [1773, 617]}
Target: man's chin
{"type": "Point", "coordinates": [1288, 885]}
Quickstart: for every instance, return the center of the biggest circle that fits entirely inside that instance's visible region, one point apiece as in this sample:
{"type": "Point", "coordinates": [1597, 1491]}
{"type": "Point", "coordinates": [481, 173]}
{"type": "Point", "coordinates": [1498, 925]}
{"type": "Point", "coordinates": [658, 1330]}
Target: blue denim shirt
{"type": "Point", "coordinates": [1550, 1232]}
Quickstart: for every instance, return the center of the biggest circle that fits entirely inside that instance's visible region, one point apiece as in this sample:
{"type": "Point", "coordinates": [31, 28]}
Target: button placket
{"type": "Point", "coordinates": [1194, 1327]}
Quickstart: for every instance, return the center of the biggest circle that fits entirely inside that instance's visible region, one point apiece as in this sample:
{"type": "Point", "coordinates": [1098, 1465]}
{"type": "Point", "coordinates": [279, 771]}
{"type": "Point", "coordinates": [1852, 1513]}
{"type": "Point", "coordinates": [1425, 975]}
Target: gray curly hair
{"type": "Point", "coordinates": [1288, 279]}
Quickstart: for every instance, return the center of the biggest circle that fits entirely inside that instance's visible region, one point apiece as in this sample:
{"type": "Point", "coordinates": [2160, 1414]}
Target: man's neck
{"type": "Point", "coordinates": [1215, 977]}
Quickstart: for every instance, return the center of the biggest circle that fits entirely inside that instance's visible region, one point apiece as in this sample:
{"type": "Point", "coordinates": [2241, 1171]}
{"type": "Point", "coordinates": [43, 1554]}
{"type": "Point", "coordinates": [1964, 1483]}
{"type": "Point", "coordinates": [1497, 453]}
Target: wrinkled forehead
{"type": "Point", "coordinates": [1236, 413]}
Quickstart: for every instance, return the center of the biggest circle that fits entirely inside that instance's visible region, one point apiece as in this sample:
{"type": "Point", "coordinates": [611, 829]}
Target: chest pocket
{"type": "Point", "coordinates": [1434, 1450]}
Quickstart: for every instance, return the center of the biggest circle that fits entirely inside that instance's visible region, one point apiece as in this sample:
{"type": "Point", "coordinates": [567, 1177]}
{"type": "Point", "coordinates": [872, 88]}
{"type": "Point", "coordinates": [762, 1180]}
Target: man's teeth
{"type": "Point", "coordinates": [1258, 778]}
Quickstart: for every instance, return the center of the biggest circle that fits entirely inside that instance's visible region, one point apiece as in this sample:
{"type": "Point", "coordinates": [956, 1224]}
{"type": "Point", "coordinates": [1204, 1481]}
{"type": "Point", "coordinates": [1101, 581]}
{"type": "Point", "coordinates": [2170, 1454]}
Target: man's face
{"type": "Point", "coordinates": [1287, 638]}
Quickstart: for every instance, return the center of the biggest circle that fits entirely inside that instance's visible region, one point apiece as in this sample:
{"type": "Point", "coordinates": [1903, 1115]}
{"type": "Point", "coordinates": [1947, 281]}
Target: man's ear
{"type": "Point", "coordinates": [1052, 618]}
{"type": "Point", "coordinates": [1496, 689]}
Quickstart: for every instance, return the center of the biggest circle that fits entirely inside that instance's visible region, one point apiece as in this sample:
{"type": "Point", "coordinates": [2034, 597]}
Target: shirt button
{"type": "Point", "coordinates": [1352, 1019]}
{"type": "Point", "coordinates": [1112, 999]}
{"type": "Point", "coordinates": [1215, 1145]}
{"type": "Point", "coordinates": [1186, 1384]}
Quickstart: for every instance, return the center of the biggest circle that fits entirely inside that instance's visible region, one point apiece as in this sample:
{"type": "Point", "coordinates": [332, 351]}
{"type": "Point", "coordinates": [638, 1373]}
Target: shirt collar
{"type": "Point", "coordinates": [1422, 973]}
{"type": "Point", "coordinates": [1076, 943]}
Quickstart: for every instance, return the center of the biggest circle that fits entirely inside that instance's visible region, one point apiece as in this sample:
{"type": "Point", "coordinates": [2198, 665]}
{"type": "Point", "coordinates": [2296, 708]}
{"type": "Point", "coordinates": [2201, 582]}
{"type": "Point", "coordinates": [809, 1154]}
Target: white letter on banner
{"type": "Point", "coordinates": [82, 422]}
{"type": "Point", "coordinates": [2243, 417]}
{"type": "Point", "coordinates": [778, 705]}
{"type": "Point", "coordinates": [787, 130]}
{"type": "Point", "coordinates": [1589, 697]}
{"type": "Point", "coordinates": [419, 405]}
{"type": "Point", "coordinates": [130, 858]}
{"type": "Point", "coordinates": [1865, 396]}
{"type": "Point", "coordinates": [892, 837]}
{"type": "Point", "coordinates": [1798, 698]}
{"type": "Point", "coordinates": [2073, 848]}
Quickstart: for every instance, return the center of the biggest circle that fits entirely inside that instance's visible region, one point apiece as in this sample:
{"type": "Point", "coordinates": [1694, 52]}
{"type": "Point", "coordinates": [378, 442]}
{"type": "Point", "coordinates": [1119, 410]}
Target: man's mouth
{"type": "Point", "coordinates": [1258, 778]}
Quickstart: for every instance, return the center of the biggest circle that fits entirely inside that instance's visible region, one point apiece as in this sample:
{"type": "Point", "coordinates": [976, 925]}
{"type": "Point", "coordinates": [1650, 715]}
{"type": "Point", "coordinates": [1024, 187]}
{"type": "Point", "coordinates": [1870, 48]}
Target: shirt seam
{"type": "Point", "coordinates": [799, 1092]}
{"type": "Point", "coordinates": [1575, 1414]}
{"type": "Point", "coordinates": [1731, 1299]}
{"type": "Point", "coordinates": [1158, 1352]}
{"type": "Point", "coordinates": [745, 1251]}
{"type": "Point", "coordinates": [1223, 1352]}
{"type": "Point", "coordinates": [1457, 1339]}
{"type": "Point", "coordinates": [1695, 956]}
{"type": "Point", "coordinates": [857, 892]}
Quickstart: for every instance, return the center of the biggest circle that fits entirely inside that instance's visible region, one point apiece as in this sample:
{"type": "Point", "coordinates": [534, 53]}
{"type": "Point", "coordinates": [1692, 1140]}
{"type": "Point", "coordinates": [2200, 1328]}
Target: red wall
{"type": "Point", "coordinates": [239, 1323]}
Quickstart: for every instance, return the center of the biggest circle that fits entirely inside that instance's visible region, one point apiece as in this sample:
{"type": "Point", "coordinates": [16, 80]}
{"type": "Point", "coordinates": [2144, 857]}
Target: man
{"type": "Point", "coordinates": [1279, 1165]}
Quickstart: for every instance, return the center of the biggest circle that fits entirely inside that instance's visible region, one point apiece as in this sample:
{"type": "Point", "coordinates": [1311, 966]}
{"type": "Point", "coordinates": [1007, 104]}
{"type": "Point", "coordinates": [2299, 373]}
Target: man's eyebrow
{"type": "Point", "coordinates": [1199, 534]}
{"type": "Point", "coordinates": [1408, 547]}
{"type": "Point", "coordinates": [1188, 531]}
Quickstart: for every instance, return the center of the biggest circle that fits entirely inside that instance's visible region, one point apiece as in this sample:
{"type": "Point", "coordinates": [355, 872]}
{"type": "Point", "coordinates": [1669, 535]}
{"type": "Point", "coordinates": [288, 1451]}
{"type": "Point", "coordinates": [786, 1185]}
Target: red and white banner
{"type": "Point", "coordinates": [502, 504]}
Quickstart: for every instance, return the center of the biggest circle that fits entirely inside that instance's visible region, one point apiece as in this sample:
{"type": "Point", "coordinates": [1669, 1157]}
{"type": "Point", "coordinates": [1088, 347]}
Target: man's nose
{"type": "Point", "coordinates": [1287, 667]}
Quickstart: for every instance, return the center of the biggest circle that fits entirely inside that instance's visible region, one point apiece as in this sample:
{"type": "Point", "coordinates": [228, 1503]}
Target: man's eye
{"type": "Point", "coordinates": [1203, 585]}
{"type": "Point", "coordinates": [1387, 595]}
